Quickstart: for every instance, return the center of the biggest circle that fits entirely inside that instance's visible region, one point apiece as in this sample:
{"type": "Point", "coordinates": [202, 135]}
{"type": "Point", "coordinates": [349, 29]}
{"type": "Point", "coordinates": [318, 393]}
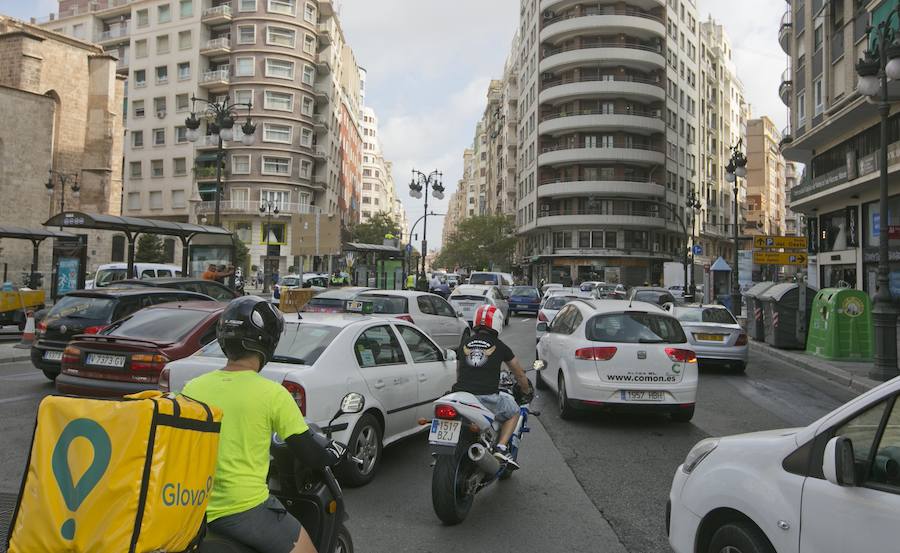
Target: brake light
{"type": "Point", "coordinates": [164, 380]}
{"type": "Point", "coordinates": [595, 354]}
{"type": "Point", "coordinates": [148, 362]}
{"type": "Point", "coordinates": [445, 412]}
{"type": "Point", "coordinates": [298, 392]}
{"type": "Point", "coordinates": [542, 317]}
{"type": "Point", "coordinates": [407, 318]}
{"type": "Point", "coordinates": [681, 355]}
{"type": "Point", "coordinates": [742, 340]}
{"type": "Point", "coordinates": [71, 355]}
{"type": "Point", "coordinates": [93, 329]}
{"type": "Point", "coordinates": [42, 326]}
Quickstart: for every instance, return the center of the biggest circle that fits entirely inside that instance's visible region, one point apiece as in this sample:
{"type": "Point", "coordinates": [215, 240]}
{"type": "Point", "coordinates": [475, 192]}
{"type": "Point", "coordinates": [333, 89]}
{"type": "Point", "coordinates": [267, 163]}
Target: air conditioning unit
{"type": "Point", "coordinates": [161, 114]}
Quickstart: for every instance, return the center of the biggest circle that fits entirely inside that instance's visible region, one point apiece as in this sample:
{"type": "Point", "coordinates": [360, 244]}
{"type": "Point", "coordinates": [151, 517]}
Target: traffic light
{"type": "Point", "coordinates": [36, 281]}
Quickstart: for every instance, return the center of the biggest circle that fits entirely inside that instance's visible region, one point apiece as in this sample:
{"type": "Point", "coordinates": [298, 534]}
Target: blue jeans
{"type": "Point", "coordinates": [502, 405]}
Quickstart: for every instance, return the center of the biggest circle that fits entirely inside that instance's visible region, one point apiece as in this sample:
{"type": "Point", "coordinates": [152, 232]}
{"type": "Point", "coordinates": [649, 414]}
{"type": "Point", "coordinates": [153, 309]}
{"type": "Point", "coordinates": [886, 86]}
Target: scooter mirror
{"type": "Point", "coordinates": [353, 403]}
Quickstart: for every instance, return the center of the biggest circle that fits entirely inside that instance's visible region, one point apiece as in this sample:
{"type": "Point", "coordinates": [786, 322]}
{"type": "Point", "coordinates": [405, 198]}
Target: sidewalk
{"type": "Point", "coordinates": [9, 354]}
{"type": "Point", "coordinates": [850, 374]}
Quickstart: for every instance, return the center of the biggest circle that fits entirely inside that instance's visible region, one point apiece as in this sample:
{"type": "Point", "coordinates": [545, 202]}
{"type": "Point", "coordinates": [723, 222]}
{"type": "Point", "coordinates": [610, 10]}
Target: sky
{"type": "Point", "coordinates": [429, 63]}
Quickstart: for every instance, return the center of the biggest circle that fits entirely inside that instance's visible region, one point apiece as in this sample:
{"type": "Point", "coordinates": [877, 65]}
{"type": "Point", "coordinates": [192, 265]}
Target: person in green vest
{"type": "Point", "coordinates": [411, 282]}
{"type": "Point", "coordinates": [336, 279]}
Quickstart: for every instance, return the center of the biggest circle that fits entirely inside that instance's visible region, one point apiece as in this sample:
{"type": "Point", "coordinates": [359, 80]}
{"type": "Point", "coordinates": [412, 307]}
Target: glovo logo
{"type": "Point", "coordinates": [75, 493]}
{"type": "Point", "coordinates": [173, 494]}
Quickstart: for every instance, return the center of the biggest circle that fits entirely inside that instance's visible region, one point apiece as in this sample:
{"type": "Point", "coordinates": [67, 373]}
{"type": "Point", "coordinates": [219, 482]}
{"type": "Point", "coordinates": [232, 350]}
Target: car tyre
{"type": "Point", "coordinates": [740, 367]}
{"type": "Point", "coordinates": [683, 414]}
{"type": "Point", "coordinates": [51, 375]}
{"type": "Point", "coordinates": [739, 537]}
{"type": "Point", "coordinates": [539, 382]}
{"type": "Point", "coordinates": [566, 410]}
{"type": "Point", "coordinates": [365, 443]}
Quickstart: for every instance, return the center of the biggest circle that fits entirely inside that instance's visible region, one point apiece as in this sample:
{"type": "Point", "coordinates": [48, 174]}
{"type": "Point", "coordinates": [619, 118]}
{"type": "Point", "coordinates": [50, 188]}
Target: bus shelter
{"type": "Point", "coordinates": [36, 236]}
{"type": "Point", "coordinates": [376, 265]}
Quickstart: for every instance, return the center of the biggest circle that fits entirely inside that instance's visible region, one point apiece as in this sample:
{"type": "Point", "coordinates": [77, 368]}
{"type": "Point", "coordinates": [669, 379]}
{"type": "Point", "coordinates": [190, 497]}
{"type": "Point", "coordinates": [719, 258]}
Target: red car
{"type": "Point", "coordinates": [128, 356]}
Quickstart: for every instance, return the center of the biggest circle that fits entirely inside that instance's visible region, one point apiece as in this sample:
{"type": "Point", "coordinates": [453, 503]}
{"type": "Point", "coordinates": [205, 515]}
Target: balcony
{"type": "Point", "coordinates": [786, 31]}
{"type": "Point", "coordinates": [579, 187]}
{"type": "Point", "coordinates": [122, 64]}
{"type": "Point", "coordinates": [252, 207]}
{"type": "Point", "coordinates": [323, 63]}
{"type": "Point", "coordinates": [557, 5]}
{"type": "Point", "coordinates": [320, 122]}
{"type": "Point", "coordinates": [591, 218]}
{"type": "Point", "coordinates": [786, 88]}
{"type": "Point", "coordinates": [319, 154]}
{"type": "Point", "coordinates": [565, 154]}
{"type": "Point", "coordinates": [207, 173]}
{"type": "Point", "coordinates": [207, 142]}
{"type": "Point", "coordinates": [603, 54]}
{"type": "Point", "coordinates": [326, 7]}
{"type": "Point", "coordinates": [630, 22]}
{"type": "Point", "coordinates": [324, 34]}
{"type": "Point", "coordinates": [786, 137]}
{"type": "Point", "coordinates": [639, 122]}
{"type": "Point", "coordinates": [216, 47]}
{"type": "Point", "coordinates": [626, 87]}
{"type": "Point", "coordinates": [116, 34]}
{"type": "Point", "coordinates": [215, 79]}
{"type": "Point", "coordinates": [322, 96]}
{"type": "Point", "coordinates": [217, 15]}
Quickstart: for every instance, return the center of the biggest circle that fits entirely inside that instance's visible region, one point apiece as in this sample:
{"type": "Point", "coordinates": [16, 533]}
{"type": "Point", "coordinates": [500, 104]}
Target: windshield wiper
{"type": "Point", "coordinates": [288, 359]}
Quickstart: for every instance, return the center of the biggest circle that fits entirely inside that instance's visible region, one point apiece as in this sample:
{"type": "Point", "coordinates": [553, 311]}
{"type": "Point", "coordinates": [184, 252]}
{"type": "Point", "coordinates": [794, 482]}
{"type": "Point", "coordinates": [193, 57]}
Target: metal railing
{"type": "Point", "coordinates": [599, 78]}
{"type": "Point", "coordinates": [656, 114]}
{"type": "Point", "coordinates": [251, 206]}
{"type": "Point", "coordinates": [589, 45]}
{"type": "Point", "coordinates": [122, 62]}
{"type": "Point", "coordinates": [787, 19]}
{"type": "Point", "coordinates": [623, 178]}
{"type": "Point", "coordinates": [215, 75]}
{"type": "Point", "coordinates": [603, 11]}
{"type": "Point", "coordinates": [616, 145]}
{"type": "Point", "coordinates": [217, 44]}
{"type": "Point", "coordinates": [110, 34]}
{"type": "Point", "coordinates": [601, 212]}
{"type": "Point", "coordinates": [217, 11]}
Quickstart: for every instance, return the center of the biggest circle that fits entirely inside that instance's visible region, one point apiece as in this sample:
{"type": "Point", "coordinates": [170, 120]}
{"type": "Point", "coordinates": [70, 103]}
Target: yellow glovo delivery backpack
{"type": "Point", "coordinates": [114, 476]}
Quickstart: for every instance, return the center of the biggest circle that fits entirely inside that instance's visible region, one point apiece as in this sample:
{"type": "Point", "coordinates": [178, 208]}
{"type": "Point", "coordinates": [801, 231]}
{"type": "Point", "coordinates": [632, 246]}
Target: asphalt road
{"type": "Point", "coordinates": [598, 483]}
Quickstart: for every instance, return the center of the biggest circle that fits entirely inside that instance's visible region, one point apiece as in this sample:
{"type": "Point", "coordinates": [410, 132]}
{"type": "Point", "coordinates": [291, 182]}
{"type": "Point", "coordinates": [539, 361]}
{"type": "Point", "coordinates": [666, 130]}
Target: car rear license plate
{"type": "Point", "coordinates": [632, 395]}
{"type": "Point", "coordinates": [710, 337]}
{"type": "Point", "coordinates": [444, 432]}
{"type": "Point", "coordinates": [51, 355]}
{"type": "Point", "coordinates": [104, 360]}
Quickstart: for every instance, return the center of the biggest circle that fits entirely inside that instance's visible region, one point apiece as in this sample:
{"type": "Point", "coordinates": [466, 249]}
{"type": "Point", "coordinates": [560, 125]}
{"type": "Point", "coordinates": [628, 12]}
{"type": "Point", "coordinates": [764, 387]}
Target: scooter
{"type": "Point", "coordinates": [462, 437]}
{"type": "Point", "coordinates": [313, 497]}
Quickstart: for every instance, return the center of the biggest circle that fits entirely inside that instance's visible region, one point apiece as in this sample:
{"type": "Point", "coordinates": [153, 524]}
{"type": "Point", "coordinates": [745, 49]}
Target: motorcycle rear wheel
{"type": "Point", "coordinates": [448, 496]}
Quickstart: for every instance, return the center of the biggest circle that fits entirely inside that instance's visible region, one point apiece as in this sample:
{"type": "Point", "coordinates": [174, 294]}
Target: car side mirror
{"type": "Point", "coordinates": [459, 313]}
{"type": "Point", "coordinates": [450, 355]}
{"type": "Point", "coordinates": [543, 327]}
{"type": "Point", "coordinates": [538, 365]}
{"type": "Point", "coordinates": [839, 463]}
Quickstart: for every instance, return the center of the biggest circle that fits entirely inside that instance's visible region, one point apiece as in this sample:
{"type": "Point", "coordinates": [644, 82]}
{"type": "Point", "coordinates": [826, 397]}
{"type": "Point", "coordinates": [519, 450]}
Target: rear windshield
{"type": "Point", "coordinates": [77, 307]}
{"type": "Point", "coordinates": [290, 281]}
{"type": "Point", "coordinates": [651, 296]}
{"type": "Point", "coordinates": [635, 328]}
{"type": "Point", "coordinates": [557, 302]}
{"type": "Point", "coordinates": [331, 303]}
{"type": "Point", "coordinates": [525, 291]}
{"type": "Point", "coordinates": [106, 277]}
{"type": "Point", "coordinates": [300, 344]}
{"type": "Point", "coordinates": [462, 297]}
{"type": "Point", "coordinates": [160, 325]}
{"type": "Point", "coordinates": [387, 305]}
{"type": "Point", "coordinates": [704, 315]}
{"type": "Point", "coordinates": [484, 278]}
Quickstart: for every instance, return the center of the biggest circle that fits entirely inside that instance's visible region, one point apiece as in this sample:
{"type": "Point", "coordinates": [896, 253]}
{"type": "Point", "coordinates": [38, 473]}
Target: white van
{"type": "Point", "coordinates": [112, 272]}
{"type": "Point", "coordinates": [504, 281]}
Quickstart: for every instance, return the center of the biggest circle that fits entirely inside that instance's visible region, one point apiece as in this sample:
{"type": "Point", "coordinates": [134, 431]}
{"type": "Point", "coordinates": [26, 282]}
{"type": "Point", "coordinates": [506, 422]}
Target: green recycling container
{"type": "Point", "coordinates": [841, 325]}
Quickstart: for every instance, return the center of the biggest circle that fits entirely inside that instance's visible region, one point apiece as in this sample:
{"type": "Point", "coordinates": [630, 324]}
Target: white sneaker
{"type": "Point", "coordinates": [501, 453]}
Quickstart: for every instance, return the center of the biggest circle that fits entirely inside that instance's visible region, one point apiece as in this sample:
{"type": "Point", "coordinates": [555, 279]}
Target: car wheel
{"type": "Point", "coordinates": [740, 367]}
{"type": "Point", "coordinates": [365, 444]}
{"type": "Point", "coordinates": [739, 537]}
{"type": "Point", "coordinates": [566, 411]}
{"type": "Point", "coordinates": [683, 414]}
{"type": "Point", "coordinates": [51, 375]}
{"type": "Point", "coordinates": [538, 378]}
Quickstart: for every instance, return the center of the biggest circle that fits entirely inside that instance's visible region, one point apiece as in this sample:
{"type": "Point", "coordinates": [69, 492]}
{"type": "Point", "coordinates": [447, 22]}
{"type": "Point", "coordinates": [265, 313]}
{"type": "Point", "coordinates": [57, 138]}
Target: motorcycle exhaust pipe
{"type": "Point", "coordinates": [485, 461]}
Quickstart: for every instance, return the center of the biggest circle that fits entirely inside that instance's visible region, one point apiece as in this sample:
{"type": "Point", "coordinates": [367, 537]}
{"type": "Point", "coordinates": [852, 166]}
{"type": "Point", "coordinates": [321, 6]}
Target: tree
{"type": "Point", "coordinates": [150, 249]}
{"type": "Point", "coordinates": [373, 231]}
{"type": "Point", "coordinates": [241, 254]}
{"type": "Point", "coordinates": [480, 243]}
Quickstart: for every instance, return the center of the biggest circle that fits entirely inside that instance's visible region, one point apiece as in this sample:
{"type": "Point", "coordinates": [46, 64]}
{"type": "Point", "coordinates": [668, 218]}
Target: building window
{"type": "Point", "coordinates": [818, 97]}
{"type": "Point", "coordinates": [137, 139]}
{"type": "Point", "coordinates": [164, 14]}
{"type": "Point", "coordinates": [159, 106]}
{"type": "Point", "coordinates": [274, 235]}
{"type": "Point", "coordinates": [243, 96]}
{"type": "Point", "coordinates": [286, 7]}
{"type": "Point", "coordinates": [140, 78]}
{"type": "Point", "coordinates": [180, 135]}
{"type": "Point", "coordinates": [138, 108]}
{"type": "Point", "coordinates": [281, 69]}
{"type": "Point", "coordinates": [244, 67]}
{"type": "Point", "coordinates": [179, 166]}
{"type": "Point", "coordinates": [309, 13]}
{"type": "Point", "coordinates": [247, 5]}
{"type": "Point", "coordinates": [281, 101]}
{"type": "Point", "coordinates": [309, 75]}
{"type": "Point", "coordinates": [801, 109]}
{"type": "Point", "coordinates": [140, 48]}
{"type": "Point", "coordinates": [156, 168]}
{"type": "Point", "coordinates": [273, 132]}
{"type": "Point", "coordinates": [178, 199]}
{"type": "Point", "coordinates": [562, 239]}
{"type": "Point", "coordinates": [818, 37]}
{"type": "Point", "coordinates": [306, 137]}
{"type": "Point", "coordinates": [246, 34]}
{"type": "Point", "coordinates": [276, 165]}
{"type": "Point", "coordinates": [135, 170]}
{"type": "Point", "coordinates": [184, 71]}
{"type": "Point", "coordinates": [305, 168]}
{"type": "Point", "coordinates": [159, 137]}
{"type": "Point", "coordinates": [156, 199]}
{"type": "Point", "coordinates": [309, 44]}
{"type": "Point", "coordinates": [162, 74]}
{"type": "Point", "coordinates": [134, 202]}
{"type": "Point", "coordinates": [143, 18]}
{"type": "Point", "coordinates": [240, 164]}
{"type": "Point", "coordinates": [182, 102]}
{"type": "Point", "coordinates": [280, 36]}
{"type": "Point", "coordinates": [307, 106]}
{"type": "Point", "coordinates": [186, 8]}
{"type": "Point", "coordinates": [184, 40]}
{"type": "Point", "coordinates": [278, 197]}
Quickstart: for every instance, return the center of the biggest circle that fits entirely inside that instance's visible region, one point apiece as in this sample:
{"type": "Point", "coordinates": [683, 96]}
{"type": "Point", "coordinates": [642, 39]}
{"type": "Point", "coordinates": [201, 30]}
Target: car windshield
{"type": "Point", "coordinates": [290, 282]}
{"type": "Point", "coordinates": [704, 315]}
{"type": "Point", "coordinates": [525, 291]}
{"type": "Point", "coordinates": [78, 307]}
{"type": "Point", "coordinates": [105, 277]}
{"type": "Point", "coordinates": [300, 344]}
{"type": "Point", "coordinates": [557, 302]}
{"type": "Point", "coordinates": [484, 278]}
{"type": "Point", "coordinates": [387, 305]}
{"type": "Point", "coordinates": [635, 328]}
{"type": "Point", "coordinates": [158, 325]}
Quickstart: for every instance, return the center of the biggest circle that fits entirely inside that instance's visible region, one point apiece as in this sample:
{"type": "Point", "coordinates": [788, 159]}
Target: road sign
{"type": "Point", "coordinates": [778, 258]}
{"type": "Point", "coordinates": [408, 249]}
{"type": "Point", "coordinates": [787, 242]}
{"type": "Point", "coordinates": [698, 250]}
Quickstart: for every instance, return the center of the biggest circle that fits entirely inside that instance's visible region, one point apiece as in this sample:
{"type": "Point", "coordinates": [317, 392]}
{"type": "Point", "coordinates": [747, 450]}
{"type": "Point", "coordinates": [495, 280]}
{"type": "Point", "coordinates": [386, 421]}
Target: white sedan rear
{"type": "Point", "coordinates": [714, 334]}
{"type": "Point", "coordinates": [429, 312]}
{"type": "Point", "coordinates": [467, 298]}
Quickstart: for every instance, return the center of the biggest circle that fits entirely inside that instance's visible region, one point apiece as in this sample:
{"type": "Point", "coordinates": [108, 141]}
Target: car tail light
{"type": "Point", "coordinates": [298, 392]}
{"type": "Point", "coordinates": [407, 318]}
{"type": "Point", "coordinates": [742, 340]}
{"type": "Point", "coordinates": [445, 412]}
{"type": "Point", "coordinates": [148, 362]}
{"type": "Point", "coordinates": [71, 355]}
{"type": "Point", "coordinates": [542, 317]}
{"type": "Point", "coordinates": [596, 354]}
{"type": "Point", "coordinates": [681, 355]}
{"type": "Point", "coordinates": [93, 329]}
{"type": "Point", "coordinates": [164, 380]}
{"type": "Point", "coordinates": [41, 326]}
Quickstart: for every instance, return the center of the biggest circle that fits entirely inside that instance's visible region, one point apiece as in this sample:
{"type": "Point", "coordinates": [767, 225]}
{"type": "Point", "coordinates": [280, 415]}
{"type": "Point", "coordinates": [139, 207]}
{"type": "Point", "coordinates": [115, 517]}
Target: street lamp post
{"type": "Point", "coordinates": [267, 208]}
{"type": "Point", "coordinates": [874, 70]}
{"type": "Point", "coordinates": [221, 118]}
{"type": "Point", "coordinates": [736, 168]}
{"type": "Point", "coordinates": [62, 179]}
{"type": "Point", "coordinates": [694, 204]}
{"type": "Point", "coordinates": [420, 181]}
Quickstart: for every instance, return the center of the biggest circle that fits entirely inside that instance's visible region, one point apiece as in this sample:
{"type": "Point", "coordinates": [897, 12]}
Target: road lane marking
{"type": "Point", "coordinates": [19, 398]}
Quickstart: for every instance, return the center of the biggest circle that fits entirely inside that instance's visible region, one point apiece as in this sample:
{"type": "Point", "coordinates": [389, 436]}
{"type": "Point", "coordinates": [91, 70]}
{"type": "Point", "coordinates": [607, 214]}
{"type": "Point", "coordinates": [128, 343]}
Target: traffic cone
{"type": "Point", "coordinates": [28, 333]}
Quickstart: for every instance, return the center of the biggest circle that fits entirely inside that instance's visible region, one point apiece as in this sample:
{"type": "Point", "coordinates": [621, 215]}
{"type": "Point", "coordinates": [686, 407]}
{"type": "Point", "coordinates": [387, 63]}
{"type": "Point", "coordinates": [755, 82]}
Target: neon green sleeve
{"type": "Point", "coordinates": [286, 417]}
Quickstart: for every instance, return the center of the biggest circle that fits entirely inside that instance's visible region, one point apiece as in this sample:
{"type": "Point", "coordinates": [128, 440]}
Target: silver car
{"type": "Point", "coordinates": [713, 334]}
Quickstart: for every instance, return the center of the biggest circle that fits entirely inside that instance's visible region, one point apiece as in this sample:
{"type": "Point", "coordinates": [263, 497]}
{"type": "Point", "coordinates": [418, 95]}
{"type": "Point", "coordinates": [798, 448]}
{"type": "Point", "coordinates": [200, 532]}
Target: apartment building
{"type": "Point", "coordinates": [288, 59]}
{"type": "Point", "coordinates": [377, 192]}
{"type": "Point", "coordinates": [765, 180]}
{"type": "Point", "coordinates": [794, 223]}
{"type": "Point", "coordinates": [835, 132]}
{"type": "Point", "coordinates": [500, 124]}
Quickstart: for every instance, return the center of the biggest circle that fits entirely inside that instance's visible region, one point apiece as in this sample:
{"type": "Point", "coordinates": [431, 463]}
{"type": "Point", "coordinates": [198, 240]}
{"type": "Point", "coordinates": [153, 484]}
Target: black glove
{"type": "Point", "coordinates": [526, 395]}
{"type": "Point", "coordinates": [337, 451]}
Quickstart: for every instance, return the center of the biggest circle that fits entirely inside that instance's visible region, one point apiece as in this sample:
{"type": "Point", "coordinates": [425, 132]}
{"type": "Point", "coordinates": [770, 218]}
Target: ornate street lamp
{"type": "Point", "coordinates": [267, 208]}
{"type": "Point", "coordinates": [736, 168]}
{"type": "Point", "coordinates": [421, 182]}
{"type": "Point", "coordinates": [694, 204]}
{"type": "Point", "coordinates": [62, 180]}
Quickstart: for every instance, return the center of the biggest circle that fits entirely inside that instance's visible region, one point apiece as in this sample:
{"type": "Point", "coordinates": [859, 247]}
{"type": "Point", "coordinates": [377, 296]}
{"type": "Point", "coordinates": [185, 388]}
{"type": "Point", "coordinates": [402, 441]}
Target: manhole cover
{"type": "Point", "coordinates": [7, 505]}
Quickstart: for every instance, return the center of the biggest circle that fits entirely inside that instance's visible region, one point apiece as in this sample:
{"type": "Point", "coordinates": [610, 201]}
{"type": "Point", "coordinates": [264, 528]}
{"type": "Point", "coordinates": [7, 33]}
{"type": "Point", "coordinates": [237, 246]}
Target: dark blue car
{"type": "Point", "coordinates": [524, 299]}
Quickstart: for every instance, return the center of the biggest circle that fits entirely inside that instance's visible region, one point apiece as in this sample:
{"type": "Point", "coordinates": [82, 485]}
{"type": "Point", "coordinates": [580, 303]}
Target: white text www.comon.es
{"type": "Point", "coordinates": [641, 378]}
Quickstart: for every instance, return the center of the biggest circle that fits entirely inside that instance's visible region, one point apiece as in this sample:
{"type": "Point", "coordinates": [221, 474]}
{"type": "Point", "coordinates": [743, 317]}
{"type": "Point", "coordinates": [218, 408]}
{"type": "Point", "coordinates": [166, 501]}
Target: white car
{"type": "Point", "coordinates": [467, 298]}
{"type": "Point", "coordinates": [831, 487]}
{"type": "Point", "coordinates": [429, 312]}
{"type": "Point", "coordinates": [551, 307]}
{"type": "Point", "coordinates": [614, 354]}
{"type": "Point", "coordinates": [560, 291]}
{"type": "Point", "coordinates": [715, 336]}
{"type": "Point", "coordinates": [322, 357]}
{"type": "Point", "coordinates": [546, 287]}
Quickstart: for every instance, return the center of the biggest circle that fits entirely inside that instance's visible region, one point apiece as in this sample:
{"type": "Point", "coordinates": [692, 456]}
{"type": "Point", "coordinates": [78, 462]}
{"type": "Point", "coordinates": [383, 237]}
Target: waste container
{"type": "Point", "coordinates": [755, 327]}
{"type": "Point", "coordinates": [781, 311]}
{"type": "Point", "coordinates": [841, 325]}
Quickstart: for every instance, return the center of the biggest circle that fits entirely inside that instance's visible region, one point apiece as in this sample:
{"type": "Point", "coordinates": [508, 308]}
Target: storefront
{"type": "Point", "coordinates": [872, 233]}
{"type": "Point", "coordinates": [569, 271]}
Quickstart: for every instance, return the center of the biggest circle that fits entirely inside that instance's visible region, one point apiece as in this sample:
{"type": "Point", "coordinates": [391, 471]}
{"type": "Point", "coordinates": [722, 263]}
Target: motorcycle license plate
{"type": "Point", "coordinates": [630, 395]}
{"type": "Point", "coordinates": [444, 432]}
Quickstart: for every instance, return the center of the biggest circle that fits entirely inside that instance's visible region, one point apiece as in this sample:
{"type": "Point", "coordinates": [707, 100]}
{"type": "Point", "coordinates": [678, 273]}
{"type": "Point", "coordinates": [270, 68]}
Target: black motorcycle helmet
{"type": "Point", "coordinates": [250, 324]}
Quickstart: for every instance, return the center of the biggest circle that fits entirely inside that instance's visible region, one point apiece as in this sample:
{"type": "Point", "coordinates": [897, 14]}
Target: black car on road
{"type": "Point", "coordinates": [211, 288]}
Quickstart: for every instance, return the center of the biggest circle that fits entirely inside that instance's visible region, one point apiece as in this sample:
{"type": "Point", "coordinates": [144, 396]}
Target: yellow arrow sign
{"type": "Point", "coordinates": [778, 258]}
{"type": "Point", "coordinates": [787, 242]}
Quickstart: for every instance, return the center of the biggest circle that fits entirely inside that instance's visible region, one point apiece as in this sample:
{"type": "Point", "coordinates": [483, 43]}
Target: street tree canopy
{"type": "Point", "coordinates": [374, 231]}
{"type": "Point", "coordinates": [480, 243]}
{"type": "Point", "coordinates": [150, 249]}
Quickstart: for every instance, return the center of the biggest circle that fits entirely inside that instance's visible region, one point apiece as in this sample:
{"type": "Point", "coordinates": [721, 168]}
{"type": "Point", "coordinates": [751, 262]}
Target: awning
{"type": "Point", "coordinates": [720, 266]}
{"type": "Point", "coordinates": [205, 157]}
{"type": "Point", "coordinates": [379, 248]}
{"type": "Point", "coordinates": [206, 187]}
{"type": "Point", "coordinates": [32, 234]}
{"type": "Point", "coordinates": [77, 219]}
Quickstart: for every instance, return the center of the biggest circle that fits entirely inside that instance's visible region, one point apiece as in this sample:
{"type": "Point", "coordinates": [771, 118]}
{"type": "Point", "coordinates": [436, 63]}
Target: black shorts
{"type": "Point", "coordinates": [267, 527]}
